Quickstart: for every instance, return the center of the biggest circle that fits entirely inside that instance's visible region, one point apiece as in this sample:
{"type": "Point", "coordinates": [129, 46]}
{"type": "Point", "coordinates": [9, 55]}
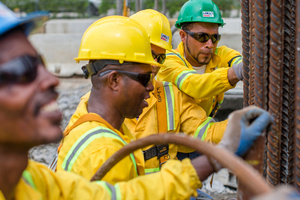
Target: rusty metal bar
{"type": "Point", "coordinates": [261, 53]}
{"type": "Point", "coordinates": [297, 110]}
{"type": "Point", "coordinates": [246, 50]}
{"type": "Point", "coordinates": [275, 90]}
{"type": "Point", "coordinates": [288, 102]}
{"type": "Point", "coordinates": [252, 36]}
{"type": "Point", "coordinates": [255, 157]}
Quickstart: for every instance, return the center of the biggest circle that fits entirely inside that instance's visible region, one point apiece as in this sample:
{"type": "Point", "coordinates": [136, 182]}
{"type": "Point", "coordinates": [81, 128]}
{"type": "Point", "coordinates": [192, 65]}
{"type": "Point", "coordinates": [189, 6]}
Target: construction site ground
{"type": "Point", "coordinates": [70, 91]}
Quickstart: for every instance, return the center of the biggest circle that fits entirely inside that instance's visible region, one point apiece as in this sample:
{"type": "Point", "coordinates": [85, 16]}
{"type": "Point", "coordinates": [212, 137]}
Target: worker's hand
{"type": "Point", "coordinates": [243, 127]}
{"type": "Point", "coordinates": [238, 70]}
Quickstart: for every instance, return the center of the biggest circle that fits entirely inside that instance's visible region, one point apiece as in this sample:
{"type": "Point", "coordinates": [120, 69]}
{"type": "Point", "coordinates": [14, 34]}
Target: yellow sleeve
{"type": "Point", "coordinates": [228, 56]}
{"type": "Point", "coordinates": [190, 82]}
{"type": "Point", "coordinates": [194, 122]}
{"type": "Point", "coordinates": [89, 160]}
{"type": "Point", "coordinates": [177, 180]}
{"type": "Point", "coordinates": [63, 185]}
{"type": "Point", "coordinates": [215, 132]}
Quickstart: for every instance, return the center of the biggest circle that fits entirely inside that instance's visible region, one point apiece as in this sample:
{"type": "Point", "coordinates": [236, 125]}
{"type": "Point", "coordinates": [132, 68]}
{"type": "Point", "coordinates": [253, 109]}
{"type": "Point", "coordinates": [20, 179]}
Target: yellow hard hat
{"type": "Point", "coordinates": [157, 27]}
{"type": "Point", "coordinates": [116, 38]}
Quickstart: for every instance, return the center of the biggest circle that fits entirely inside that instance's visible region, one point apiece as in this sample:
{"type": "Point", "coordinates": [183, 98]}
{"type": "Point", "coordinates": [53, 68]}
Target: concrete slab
{"type": "Point", "coordinates": [59, 51]}
{"type": "Point", "coordinates": [68, 26]}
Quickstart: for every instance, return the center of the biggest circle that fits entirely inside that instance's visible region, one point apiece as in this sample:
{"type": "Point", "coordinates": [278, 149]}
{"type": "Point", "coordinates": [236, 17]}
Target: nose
{"type": "Point", "coordinates": [209, 44]}
{"type": "Point", "coordinates": [46, 79]}
{"type": "Point", "coordinates": [149, 87]}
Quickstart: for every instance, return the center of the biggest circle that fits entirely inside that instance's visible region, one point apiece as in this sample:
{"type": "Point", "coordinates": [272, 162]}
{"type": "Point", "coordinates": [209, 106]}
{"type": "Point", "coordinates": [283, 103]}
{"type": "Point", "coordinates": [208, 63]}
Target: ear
{"type": "Point", "coordinates": [114, 80]}
{"type": "Point", "coordinates": [183, 36]}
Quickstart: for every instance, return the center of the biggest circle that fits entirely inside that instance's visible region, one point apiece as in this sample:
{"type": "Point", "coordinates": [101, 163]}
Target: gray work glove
{"type": "Point", "coordinates": [238, 70]}
{"type": "Point", "coordinates": [243, 127]}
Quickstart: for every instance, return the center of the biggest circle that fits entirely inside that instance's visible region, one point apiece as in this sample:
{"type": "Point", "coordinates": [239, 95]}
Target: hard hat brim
{"type": "Point", "coordinates": [31, 21]}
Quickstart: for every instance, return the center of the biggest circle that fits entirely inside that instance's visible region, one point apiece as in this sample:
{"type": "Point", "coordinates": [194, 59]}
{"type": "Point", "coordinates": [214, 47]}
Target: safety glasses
{"type": "Point", "coordinates": [204, 37]}
{"type": "Point", "coordinates": [144, 79]}
{"type": "Point", "coordinates": [21, 70]}
{"type": "Point", "coordinates": [160, 58]}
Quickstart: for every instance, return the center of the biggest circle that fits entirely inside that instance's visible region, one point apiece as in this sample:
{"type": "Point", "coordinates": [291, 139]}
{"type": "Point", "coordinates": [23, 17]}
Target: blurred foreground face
{"type": "Point", "coordinates": [29, 113]}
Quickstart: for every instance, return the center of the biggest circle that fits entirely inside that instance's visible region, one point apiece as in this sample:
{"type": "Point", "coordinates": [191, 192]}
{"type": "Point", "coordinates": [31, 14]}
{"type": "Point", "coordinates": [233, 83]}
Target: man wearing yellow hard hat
{"type": "Point", "coordinates": [199, 67]}
{"type": "Point", "coordinates": [120, 67]}
{"type": "Point", "coordinates": [169, 110]}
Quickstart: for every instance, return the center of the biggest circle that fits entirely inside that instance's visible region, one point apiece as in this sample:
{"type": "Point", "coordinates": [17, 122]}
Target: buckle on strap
{"type": "Point", "coordinates": [157, 150]}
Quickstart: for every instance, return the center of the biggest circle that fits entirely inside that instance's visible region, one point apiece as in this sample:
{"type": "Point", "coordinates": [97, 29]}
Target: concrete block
{"type": "Point", "coordinates": [59, 51]}
{"type": "Point", "coordinates": [70, 26]}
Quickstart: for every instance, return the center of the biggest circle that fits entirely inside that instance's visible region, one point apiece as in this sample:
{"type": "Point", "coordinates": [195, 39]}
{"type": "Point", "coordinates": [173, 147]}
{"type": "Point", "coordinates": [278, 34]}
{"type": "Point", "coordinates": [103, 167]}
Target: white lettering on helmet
{"type": "Point", "coordinates": [208, 14]}
{"type": "Point", "coordinates": [164, 37]}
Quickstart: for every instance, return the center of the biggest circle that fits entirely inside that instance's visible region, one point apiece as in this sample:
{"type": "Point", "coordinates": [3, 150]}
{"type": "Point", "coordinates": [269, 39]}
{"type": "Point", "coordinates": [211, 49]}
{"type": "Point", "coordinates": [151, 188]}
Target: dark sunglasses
{"type": "Point", "coordinates": [20, 70]}
{"type": "Point", "coordinates": [204, 37]}
{"type": "Point", "coordinates": [144, 79]}
{"type": "Point", "coordinates": [160, 58]}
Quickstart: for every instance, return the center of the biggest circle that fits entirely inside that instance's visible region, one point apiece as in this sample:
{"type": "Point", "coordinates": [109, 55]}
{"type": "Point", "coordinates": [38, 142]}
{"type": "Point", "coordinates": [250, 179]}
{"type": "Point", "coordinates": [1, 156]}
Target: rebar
{"type": "Point", "coordinates": [275, 91]}
{"type": "Point", "coordinates": [297, 109]}
{"type": "Point", "coordinates": [261, 53]}
{"type": "Point", "coordinates": [252, 36]}
{"type": "Point", "coordinates": [288, 102]}
{"type": "Point", "coordinates": [246, 50]}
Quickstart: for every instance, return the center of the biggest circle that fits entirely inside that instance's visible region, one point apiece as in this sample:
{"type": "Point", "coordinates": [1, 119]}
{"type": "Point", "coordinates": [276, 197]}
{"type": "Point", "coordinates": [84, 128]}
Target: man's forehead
{"type": "Point", "coordinates": [14, 44]}
{"type": "Point", "coordinates": [205, 25]}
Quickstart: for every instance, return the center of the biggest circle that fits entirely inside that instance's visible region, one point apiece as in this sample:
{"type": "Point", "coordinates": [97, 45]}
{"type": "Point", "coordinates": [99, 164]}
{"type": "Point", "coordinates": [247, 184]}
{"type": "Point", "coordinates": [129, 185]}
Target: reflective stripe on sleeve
{"type": "Point", "coordinates": [85, 140]}
{"type": "Point", "coordinates": [152, 170]}
{"type": "Point", "coordinates": [110, 189]}
{"type": "Point", "coordinates": [28, 179]}
{"type": "Point", "coordinates": [201, 131]}
{"type": "Point", "coordinates": [118, 192]}
{"type": "Point", "coordinates": [237, 60]}
{"type": "Point", "coordinates": [182, 76]}
{"type": "Point", "coordinates": [170, 103]}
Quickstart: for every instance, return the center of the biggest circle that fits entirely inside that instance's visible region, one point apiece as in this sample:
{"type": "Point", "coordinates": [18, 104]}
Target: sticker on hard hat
{"type": "Point", "coordinates": [208, 14]}
{"type": "Point", "coordinates": [164, 37]}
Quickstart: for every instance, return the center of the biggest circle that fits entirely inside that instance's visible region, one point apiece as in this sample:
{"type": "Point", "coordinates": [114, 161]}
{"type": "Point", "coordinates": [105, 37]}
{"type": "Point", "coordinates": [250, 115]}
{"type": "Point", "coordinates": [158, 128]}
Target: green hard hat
{"type": "Point", "coordinates": [199, 11]}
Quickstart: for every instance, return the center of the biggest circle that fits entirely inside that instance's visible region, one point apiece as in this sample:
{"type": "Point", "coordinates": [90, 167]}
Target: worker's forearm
{"type": "Point", "coordinates": [232, 78]}
{"type": "Point", "coordinates": [203, 167]}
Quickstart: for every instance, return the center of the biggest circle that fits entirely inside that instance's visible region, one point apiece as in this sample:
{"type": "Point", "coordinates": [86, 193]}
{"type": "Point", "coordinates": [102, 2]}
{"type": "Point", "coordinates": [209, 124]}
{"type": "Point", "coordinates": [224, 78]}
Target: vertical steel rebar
{"type": "Point", "coordinates": [275, 90]}
{"type": "Point", "coordinates": [261, 53]}
{"type": "Point", "coordinates": [252, 36]}
{"type": "Point", "coordinates": [288, 93]}
{"type": "Point", "coordinates": [246, 50]}
{"type": "Point", "coordinates": [297, 109]}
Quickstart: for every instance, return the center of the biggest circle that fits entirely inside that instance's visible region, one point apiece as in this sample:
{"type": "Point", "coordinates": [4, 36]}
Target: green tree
{"type": "Point", "coordinates": [106, 5]}
{"type": "Point", "coordinates": [54, 6]}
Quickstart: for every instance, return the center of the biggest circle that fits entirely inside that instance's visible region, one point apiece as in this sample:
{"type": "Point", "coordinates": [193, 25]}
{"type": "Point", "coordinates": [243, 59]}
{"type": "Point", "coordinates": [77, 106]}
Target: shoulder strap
{"type": "Point", "coordinates": [161, 107]}
{"type": "Point", "coordinates": [179, 56]}
{"type": "Point", "coordinates": [83, 119]}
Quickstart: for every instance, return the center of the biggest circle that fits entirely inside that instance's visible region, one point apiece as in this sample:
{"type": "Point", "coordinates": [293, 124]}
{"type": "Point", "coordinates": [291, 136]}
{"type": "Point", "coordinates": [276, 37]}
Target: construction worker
{"type": "Point", "coordinates": [200, 68]}
{"type": "Point", "coordinates": [29, 116]}
{"type": "Point", "coordinates": [120, 71]}
{"type": "Point", "coordinates": [169, 110]}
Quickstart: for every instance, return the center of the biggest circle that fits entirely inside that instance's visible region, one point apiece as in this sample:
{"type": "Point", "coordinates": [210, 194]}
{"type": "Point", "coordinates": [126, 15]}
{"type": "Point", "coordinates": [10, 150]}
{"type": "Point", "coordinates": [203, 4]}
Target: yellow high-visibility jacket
{"type": "Point", "coordinates": [207, 89]}
{"type": "Point", "coordinates": [183, 115]}
{"type": "Point", "coordinates": [90, 144]}
{"type": "Point", "coordinates": [84, 156]}
{"type": "Point", "coordinates": [178, 181]}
